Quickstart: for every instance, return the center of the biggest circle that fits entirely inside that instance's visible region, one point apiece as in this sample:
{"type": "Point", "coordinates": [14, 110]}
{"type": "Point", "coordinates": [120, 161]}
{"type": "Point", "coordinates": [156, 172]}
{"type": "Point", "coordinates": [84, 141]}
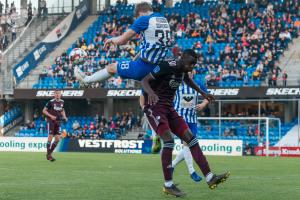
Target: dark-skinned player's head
{"type": "Point", "coordinates": [188, 60]}
{"type": "Point", "coordinates": [57, 94]}
{"type": "Point", "coordinates": [142, 9]}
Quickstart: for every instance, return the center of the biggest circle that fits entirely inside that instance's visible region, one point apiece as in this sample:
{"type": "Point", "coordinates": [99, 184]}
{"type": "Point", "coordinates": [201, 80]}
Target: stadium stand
{"type": "Point", "coordinates": [85, 127]}
{"type": "Point", "coordinates": [238, 130]}
{"type": "Point", "coordinates": [238, 43]}
{"type": "Point", "coordinates": [10, 115]}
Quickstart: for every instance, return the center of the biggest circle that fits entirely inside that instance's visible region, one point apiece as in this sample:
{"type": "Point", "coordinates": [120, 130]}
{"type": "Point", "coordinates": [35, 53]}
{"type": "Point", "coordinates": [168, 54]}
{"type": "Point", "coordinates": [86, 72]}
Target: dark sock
{"type": "Point", "coordinates": [198, 156]}
{"type": "Point", "coordinates": [48, 147]}
{"type": "Point", "coordinates": [166, 159]}
{"type": "Point", "coordinates": [53, 146]}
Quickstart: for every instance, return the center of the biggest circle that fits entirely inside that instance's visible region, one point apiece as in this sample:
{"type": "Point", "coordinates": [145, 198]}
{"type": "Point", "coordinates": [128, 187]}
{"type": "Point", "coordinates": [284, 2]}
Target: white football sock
{"type": "Point", "coordinates": [188, 159]}
{"type": "Point", "coordinates": [169, 183]}
{"type": "Point", "coordinates": [209, 176]}
{"type": "Point", "coordinates": [98, 76]}
{"type": "Point", "coordinates": [179, 158]}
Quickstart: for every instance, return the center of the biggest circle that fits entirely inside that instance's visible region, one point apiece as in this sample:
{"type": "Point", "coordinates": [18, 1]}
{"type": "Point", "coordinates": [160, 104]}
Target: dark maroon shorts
{"type": "Point", "coordinates": [165, 118]}
{"type": "Point", "coordinates": [53, 128]}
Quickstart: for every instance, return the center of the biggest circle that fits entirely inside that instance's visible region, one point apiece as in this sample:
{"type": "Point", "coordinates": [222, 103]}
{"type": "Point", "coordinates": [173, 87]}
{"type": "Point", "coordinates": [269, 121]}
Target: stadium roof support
{"type": "Point", "coordinates": [107, 3]}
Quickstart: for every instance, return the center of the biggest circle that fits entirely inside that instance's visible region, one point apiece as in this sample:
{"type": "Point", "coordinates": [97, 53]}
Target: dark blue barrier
{"type": "Point", "coordinates": [106, 146]}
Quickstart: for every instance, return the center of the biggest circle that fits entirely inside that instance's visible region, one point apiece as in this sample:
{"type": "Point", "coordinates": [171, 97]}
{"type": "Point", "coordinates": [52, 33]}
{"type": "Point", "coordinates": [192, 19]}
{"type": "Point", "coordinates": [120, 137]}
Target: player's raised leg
{"type": "Point", "coordinates": [180, 128]}
{"type": "Point", "coordinates": [98, 76]}
{"type": "Point", "coordinates": [185, 154]}
{"type": "Point", "coordinates": [136, 70]}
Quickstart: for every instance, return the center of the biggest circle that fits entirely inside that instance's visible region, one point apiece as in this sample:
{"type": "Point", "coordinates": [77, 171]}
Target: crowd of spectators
{"type": "Point", "coordinates": [97, 128]}
{"type": "Point", "coordinates": [117, 125]}
{"type": "Point", "coordinates": [253, 38]}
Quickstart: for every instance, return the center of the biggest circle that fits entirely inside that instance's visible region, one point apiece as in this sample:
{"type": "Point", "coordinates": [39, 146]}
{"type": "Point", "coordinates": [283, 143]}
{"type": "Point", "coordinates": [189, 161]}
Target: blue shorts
{"type": "Point", "coordinates": [193, 128]}
{"type": "Point", "coordinates": [135, 70]}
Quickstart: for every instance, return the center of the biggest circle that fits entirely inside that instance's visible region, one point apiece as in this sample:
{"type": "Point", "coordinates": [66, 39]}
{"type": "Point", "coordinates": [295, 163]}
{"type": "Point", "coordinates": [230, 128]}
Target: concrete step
{"type": "Point", "coordinates": [290, 63]}
{"type": "Point", "coordinates": [30, 80]}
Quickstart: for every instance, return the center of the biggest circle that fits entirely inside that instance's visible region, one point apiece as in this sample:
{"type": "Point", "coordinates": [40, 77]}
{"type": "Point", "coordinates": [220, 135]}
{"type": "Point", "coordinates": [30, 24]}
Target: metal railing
{"type": "Point", "coordinates": [32, 33]}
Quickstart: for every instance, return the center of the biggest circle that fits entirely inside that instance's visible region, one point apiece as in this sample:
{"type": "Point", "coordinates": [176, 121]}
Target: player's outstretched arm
{"type": "Point", "coordinates": [120, 40]}
{"type": "Point", "coordinates": [152, 97]}
{"type": "Point", "coordinates": [190, 82]}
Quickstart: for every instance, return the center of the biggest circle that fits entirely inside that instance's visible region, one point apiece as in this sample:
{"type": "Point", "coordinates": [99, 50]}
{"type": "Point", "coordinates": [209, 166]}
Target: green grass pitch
{"type": "Point", "coordinates": [93, 176]}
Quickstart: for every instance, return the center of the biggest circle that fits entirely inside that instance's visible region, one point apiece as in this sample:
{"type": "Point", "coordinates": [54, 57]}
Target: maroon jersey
{"type": "Point", "coordinates": [167, 78]}
{"type": "Point", "coordinates": [55, 108]}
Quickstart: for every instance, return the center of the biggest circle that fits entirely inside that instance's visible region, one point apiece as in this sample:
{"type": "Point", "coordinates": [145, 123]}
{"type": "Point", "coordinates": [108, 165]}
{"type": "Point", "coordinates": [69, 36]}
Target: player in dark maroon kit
{"type": "Point", "coordinates": [55, 113]}
{"type": "Point", "coordinates": [160, 86]}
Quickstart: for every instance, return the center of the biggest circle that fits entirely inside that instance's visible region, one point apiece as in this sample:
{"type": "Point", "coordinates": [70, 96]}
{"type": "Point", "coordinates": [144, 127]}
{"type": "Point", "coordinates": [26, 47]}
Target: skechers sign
{"type": "Point", "coordinates": [224, 92]}
{"type": "Point", "coordinates": [124, 93]}
{"type": "Point", "coordinates": [219, 93]}
{"type": "Point", "coordinates": [109, 146]}
{"type": "Point", "coordinates": [65, 93]}
{"type": "Point", "coordinates": [283, 92]}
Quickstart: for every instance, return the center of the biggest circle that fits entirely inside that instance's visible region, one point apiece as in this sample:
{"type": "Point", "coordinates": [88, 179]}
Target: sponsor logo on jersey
{"type": "Point", "coordinates": [283, 91]}
{"type": "Point", "coordinates": [58, 107]}
{"type": "Point", "coordinates": [174, 84]}
{"type": "Point", "coordinates": [156, 69]}
{"type": "Point", "coordinates": [188, 98]}
{"type": "Point", "coordinates": [124, 93]}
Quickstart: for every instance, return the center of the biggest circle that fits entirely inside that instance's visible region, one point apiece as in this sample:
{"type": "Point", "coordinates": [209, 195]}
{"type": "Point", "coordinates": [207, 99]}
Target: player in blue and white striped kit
{"type": "Point", "coordinates": [155, 44]}
{"type": "Point", "coordinates": [186, 105]}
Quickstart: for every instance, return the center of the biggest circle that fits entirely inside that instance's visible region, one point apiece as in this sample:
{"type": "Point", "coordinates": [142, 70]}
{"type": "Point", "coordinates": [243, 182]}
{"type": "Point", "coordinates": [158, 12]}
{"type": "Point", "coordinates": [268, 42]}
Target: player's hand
{"type": "Point", "coordinates": [108, 42]}
{"type": "Point", "coordinates": [152, 99]}
{"type": "Point", "coordinates": [210, 98]}
{"type": "Point", "coordinates": [52, 117]}
{"type": "Point", "coordinates": [202, 105]}
{"type": "Point", "coordinates": [66, 119]}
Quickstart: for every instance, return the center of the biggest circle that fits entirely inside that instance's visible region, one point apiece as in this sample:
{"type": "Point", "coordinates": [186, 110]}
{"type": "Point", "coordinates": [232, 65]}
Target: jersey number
{"type": "Point", "coordinates": [161, 35]}
{"type": "Point", "coordinates": [125, 65]}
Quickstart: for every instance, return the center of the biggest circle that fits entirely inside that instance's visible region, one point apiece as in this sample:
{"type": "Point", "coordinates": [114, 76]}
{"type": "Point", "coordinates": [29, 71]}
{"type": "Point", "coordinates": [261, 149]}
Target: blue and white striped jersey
{"type": "Point", "coordinates": [185, 102]}
{"type": "Point", "coordinates": [156, 37]}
